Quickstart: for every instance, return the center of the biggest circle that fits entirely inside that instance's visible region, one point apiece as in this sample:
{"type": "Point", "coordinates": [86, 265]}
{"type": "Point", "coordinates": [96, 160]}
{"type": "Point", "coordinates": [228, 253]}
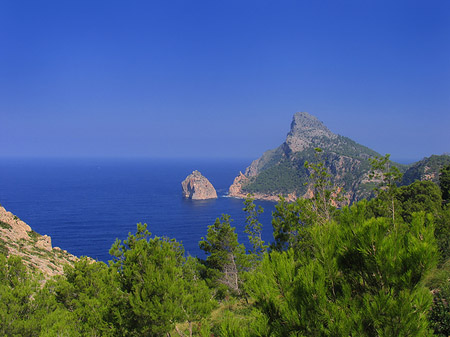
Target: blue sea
{"type": "Point", "coordinates": [85, 204]}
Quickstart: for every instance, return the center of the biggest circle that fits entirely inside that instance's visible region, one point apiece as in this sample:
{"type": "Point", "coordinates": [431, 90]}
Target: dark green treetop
{"type": "Point", "coordinates": [226, 257]}
{"type": "Point", "coordinates": [158, 285]}
{"type": "Point", "coordinates": [444, 183]}
{"type": "Point", "coordinates": [253, 228]}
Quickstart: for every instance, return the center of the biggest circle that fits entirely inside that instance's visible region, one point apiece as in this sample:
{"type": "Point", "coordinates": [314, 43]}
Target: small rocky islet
{"type": "Point", "coordinates": [197, 187]}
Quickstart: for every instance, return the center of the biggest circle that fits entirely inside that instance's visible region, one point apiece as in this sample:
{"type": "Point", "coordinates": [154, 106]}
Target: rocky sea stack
{"type": "Point", "coordinates": [197, 187]}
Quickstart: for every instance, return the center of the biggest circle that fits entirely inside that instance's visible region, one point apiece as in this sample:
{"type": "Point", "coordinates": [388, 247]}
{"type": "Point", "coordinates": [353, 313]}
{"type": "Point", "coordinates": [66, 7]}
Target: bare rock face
{"type": "Point", "coordinates": [236, 187]}
{"type": "Point", "coordinates": [305, 128]}
{"type": "Point", "coordinates": [197, 187]}
{"type": "Point", "coordinates": [36, 251]}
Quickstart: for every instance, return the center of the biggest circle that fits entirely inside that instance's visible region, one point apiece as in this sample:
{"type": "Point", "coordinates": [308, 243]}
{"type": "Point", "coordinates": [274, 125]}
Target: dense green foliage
{"type": "Point", "coordinates": [375, 268]}
{"type": "Point", "coordinates": [439, 315]}
{"type": "Point", "coordinates": [16, 304]}
{"type": "Point", "coordinates": [285, 177]}
{"type": "Point", "coordinates": [147, 290]}
{"type": "Point", "coordinates": [226, 258]}
{"type": "Point", "coordinates": [253, 229]}
{"type": "Point", "coordinates": [444, 183]}
{"type": "Point", "coordinates": [354, 278]}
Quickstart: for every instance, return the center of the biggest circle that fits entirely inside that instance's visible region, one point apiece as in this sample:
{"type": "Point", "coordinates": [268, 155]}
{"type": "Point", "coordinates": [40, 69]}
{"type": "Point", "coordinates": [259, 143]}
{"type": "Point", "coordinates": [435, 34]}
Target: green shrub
{"type": "Point", "coordinates": [5, 225]}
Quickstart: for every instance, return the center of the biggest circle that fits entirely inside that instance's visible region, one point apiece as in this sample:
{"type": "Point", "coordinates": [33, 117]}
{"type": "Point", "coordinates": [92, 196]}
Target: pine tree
{"type": "Point", "coordinates": [226, 258]}
{"type": "Point", "coordinates": [326, 196]}
{"type": "Point", "coordinates": [254, 228]}
{"type": "Point", "coordinates": [359, 278]}
{"type": "Point", "coordinates": [444, 183]}
{"type": "Point", "coordinates": [18, 308]}
{"type": "Point", "coordinates": [290, 220]}
{"type": "Point", "coordinates": [159, 288]}
{"type": "Point", "coordinates": [388, 177]}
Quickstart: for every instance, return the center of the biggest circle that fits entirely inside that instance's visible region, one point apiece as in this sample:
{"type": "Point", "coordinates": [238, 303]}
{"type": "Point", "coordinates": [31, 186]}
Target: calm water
{"type": "Point", "coordinates": [84, 205]}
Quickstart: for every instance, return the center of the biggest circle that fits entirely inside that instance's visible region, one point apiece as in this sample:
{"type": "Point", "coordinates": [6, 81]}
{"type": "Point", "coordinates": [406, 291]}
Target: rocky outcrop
{"type": "Point", "coordinates": [236, 188]}
{"type": "Point", "coordinates": [197, 187]}
{"type": "Point", "coordinates": [305, 129]}
{"type": "Point", "coordinates": [36, 251]}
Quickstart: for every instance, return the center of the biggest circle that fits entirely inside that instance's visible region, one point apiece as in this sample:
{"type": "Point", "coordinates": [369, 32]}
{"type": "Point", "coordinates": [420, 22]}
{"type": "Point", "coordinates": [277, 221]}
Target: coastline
{"type": "Point", "coordinates": [261, 196]}
{"type": "Point", "coordinates": [235, 191]}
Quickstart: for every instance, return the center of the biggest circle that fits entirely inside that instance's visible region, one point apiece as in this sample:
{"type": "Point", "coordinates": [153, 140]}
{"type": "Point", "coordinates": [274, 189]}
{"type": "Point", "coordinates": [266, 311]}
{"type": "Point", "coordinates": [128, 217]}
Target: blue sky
{"type": "Point", "coordinates": [221, 78]}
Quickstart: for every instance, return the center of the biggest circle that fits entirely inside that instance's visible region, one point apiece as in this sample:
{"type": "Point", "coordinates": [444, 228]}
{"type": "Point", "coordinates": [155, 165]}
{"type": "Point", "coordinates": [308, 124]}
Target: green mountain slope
{"type": "Point", "coordinates": [426, 169]}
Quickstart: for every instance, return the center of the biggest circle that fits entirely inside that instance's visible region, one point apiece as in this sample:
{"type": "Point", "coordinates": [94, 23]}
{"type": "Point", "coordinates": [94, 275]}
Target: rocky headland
{"type": "Point", "coordinates": [281, 171]}
{"type": "Point", "coordinates": [36, 251]}
{"type": "Point", "coordinates": [197, 187]}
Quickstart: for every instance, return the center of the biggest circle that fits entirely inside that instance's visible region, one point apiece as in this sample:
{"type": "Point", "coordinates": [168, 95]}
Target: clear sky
{"type": "Point", "coordinates": [212, 78]}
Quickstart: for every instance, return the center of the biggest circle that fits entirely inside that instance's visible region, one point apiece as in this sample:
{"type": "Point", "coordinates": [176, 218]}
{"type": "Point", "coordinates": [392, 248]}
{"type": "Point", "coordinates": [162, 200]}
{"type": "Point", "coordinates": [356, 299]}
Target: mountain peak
{"type": "Point", "coordinates": [304, 129]}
